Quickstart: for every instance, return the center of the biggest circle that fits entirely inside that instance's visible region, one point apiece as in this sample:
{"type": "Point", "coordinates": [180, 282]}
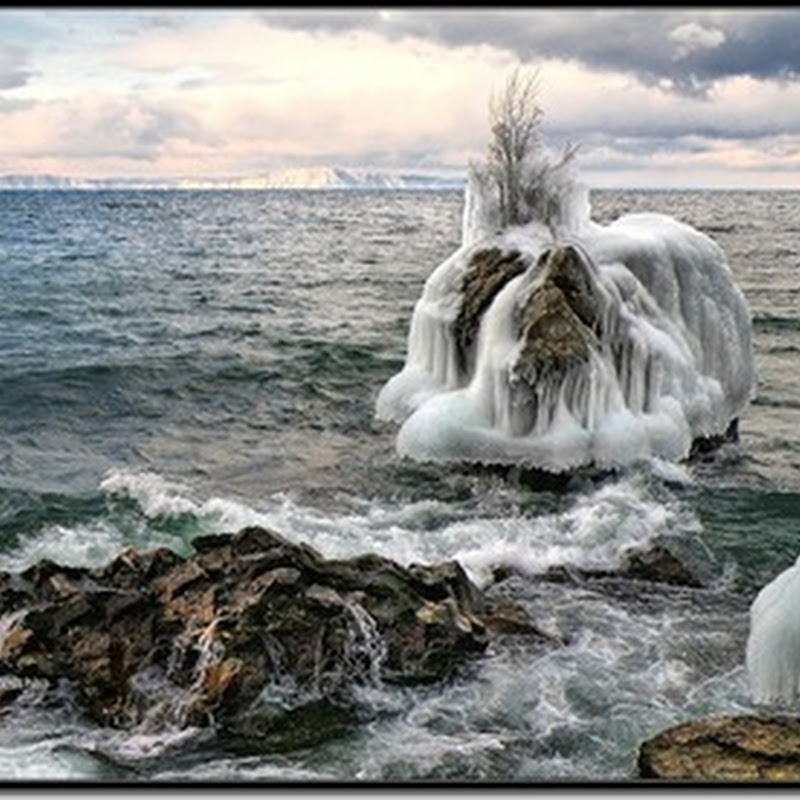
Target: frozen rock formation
{"type": "Point", "coordinates": [559, 342]}
{"type": "Point", "coordinates": [773, 645]}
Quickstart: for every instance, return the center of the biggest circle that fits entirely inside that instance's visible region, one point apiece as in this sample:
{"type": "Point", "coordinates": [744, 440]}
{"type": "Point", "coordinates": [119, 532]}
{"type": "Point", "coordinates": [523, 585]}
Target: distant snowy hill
{"type": "Point", "coordinates": [296, 178]}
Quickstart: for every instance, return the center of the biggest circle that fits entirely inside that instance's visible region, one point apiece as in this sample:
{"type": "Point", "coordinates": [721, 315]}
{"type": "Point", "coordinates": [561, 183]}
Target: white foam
{"type": "Point", "coordinates": [95, 543]}
{"type": "Point", "coordinates": [155, 495]}
{"type": "Point", "coordinates": [592, 533]}
{"type": "Point", "coordinates": [492, 529]}
{"type": "Point", "coordinates": [159, 498]}
{"type": "Point", "coordinates": [79, 546]}
{"type": "Point", "coordinates": [44, 761]}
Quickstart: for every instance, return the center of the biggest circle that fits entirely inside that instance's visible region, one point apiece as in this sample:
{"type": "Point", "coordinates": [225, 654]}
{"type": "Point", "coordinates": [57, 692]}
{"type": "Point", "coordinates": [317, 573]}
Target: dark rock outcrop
{"type": "Point", "coordinates": [669, 560]}
{"type": "Point", "coordinates": [253, 634]}
{"type": "Point", "coordinates": [677, 560]}
{"type": "Point", "coordinates": [704, 447]}
{"type": "Point", "coordinates": [725, 748]}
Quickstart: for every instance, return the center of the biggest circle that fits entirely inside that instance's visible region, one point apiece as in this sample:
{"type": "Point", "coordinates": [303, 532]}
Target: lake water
{"type": "Point", "coordinates": [180, 363]}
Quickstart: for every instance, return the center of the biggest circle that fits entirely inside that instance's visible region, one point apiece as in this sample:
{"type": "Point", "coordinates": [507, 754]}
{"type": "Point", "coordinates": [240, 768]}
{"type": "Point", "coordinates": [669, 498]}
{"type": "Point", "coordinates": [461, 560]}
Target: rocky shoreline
{"type": "Point", "coordinates": [253, 635]}
{"type": "Point", "coordinates": [270, 645]}
{"type": "Point", "coordinates": [725, 749]}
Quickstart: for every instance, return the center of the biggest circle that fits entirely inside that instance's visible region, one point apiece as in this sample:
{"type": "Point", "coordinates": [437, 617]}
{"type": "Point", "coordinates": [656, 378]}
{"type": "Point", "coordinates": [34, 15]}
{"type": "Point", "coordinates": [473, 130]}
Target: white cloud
{"type": "Point", "coordinates": [692, 36]}
{"type": "Point", "coordinates": [240, 96]}
{"type": "Point", "coordinates": [228, 94]}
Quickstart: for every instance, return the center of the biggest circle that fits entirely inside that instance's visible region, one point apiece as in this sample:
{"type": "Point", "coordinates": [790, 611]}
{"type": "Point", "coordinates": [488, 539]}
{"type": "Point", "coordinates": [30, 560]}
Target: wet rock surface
{"type": "Point", "coordinates": [560, 318]}
{"type": "Point", "coordinates": [253, 634]}
{"type": "Point", "coordinates": [725, 748]}
{"type": "Point", "coordinates": [489, 270]}
{"type": "Point", "coordinates": [662, 560]}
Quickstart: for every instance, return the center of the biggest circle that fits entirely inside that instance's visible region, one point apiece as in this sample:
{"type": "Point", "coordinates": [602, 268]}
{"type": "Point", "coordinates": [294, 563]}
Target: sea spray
{"type": "Point", "coordinates": [495, 523]}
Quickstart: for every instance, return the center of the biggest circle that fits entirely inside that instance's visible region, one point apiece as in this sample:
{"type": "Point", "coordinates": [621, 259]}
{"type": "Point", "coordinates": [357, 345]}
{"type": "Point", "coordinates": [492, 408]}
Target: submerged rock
{"type": "Point", "coordinates": [666, 560]}
{"type": "Point", "coordinates": [705, 447]}
{"type": "Point", "coordinates": [680, 561]}
{"type": "Point", "coordinates": [726, 748]}
{"type": "Point", "coordinates": [257, 635]}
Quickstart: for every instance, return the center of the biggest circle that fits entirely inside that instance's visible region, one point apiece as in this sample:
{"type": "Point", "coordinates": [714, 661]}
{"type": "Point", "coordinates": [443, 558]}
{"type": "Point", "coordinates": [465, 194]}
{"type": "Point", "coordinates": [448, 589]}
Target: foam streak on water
{"type": "Point", "coordinates": [591, 532]}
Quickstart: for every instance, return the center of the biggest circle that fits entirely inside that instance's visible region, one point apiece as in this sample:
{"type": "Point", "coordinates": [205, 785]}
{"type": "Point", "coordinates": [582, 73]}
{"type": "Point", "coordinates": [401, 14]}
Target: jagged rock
{"type": "Point", "coordinates": [725, 748]}
{"type": "Point", "coordinates": [253, 633]}
{"type": "Point", "coordinates": [560, 316]}
{"type": "Point", "coordinates": [657, 563]}
{"type": "Point", "coordinates": [511, 618]}
{"type": "Point", "coordinates": [488, 271]}
{"type": "Point", "coordinates": [672, 560]}
{"type": "Point", "coordinates": [677, 560]}
{"type": "Point", "coordinates": [704, 447]}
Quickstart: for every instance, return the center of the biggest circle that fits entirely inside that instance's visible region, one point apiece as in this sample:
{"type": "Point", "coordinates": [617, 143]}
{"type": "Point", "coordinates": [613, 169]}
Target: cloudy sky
{"type": "Point", "coordinates": [653, 97]}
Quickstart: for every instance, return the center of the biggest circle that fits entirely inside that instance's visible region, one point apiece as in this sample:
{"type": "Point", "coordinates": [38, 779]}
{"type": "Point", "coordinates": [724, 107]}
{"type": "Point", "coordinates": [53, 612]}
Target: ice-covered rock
{"type": "Point", "coordinates": [559, 342]}
{"type": "Point", "coordinates": [773, 645]}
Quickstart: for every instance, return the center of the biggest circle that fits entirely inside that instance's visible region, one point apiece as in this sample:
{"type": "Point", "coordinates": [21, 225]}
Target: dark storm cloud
{"type": "Point", "coordinates": [680, 48]}
{"type": "Point", "coordinates": [323, 21]}
{"type": "Point", "coordinates": [762, 45]}
{"type": "Point", "coordinates": [14, 71]}
{"type": "Point", "coordinates": [652, 129]}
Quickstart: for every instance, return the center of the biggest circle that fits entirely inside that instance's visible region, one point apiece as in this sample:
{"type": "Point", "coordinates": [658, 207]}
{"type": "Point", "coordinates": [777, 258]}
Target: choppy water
{"type": "Point", "coordinates": [179, 363]}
